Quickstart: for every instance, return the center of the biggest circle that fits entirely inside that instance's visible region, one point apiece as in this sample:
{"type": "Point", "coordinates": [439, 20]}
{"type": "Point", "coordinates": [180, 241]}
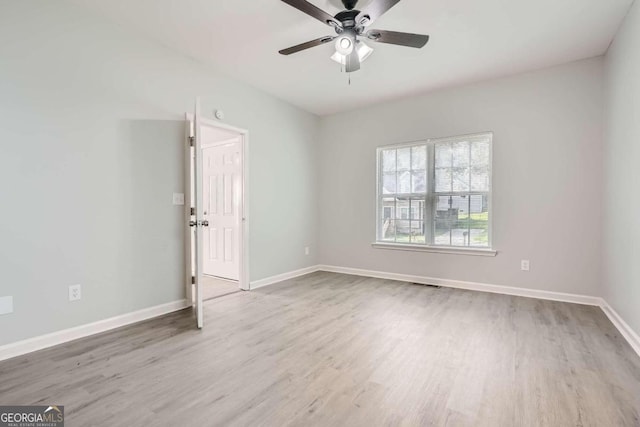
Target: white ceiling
{"type": "Point", "coordinates": [471, 40]}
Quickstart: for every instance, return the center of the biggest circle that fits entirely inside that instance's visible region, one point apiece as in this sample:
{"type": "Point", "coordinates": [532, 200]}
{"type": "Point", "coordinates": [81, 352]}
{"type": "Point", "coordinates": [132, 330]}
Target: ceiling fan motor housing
{"type": "Point", "coordinates": [348, 18]}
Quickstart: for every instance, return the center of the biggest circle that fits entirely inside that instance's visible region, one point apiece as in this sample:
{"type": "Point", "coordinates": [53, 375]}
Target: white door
{"type": "Point", "coordinates": [195, 217]}
{"type": "Point", "coordinates": [222, 194]}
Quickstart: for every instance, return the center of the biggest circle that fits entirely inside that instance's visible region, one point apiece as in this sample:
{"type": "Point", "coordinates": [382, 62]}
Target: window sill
{"type": "Point", "coordinates": [435, 249]}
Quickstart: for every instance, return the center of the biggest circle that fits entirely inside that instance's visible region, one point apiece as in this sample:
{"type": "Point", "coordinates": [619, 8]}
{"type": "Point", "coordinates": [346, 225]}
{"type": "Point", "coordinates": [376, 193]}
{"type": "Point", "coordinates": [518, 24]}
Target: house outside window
{"type": "Point", "coordinates": [436, 192]}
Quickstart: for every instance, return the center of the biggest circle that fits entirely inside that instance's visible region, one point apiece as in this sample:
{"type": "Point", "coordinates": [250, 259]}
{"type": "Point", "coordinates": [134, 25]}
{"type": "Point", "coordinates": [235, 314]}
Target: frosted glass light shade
{"type": "Point", "coordinates": [363, 50]}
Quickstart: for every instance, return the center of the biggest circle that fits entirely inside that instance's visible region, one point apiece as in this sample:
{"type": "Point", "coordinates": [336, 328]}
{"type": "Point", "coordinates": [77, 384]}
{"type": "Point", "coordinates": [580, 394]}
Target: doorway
{"type": "Point", "coordinates": [217, 215]}
{"type": "Point", "coordinates": [221, 194]}
{"type": "Point", "coordinates": [222, 171]}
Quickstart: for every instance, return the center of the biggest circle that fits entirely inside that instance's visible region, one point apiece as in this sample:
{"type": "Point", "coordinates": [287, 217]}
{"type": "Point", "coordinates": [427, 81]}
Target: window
{"type": "Point", "coordinates": [436, 192]}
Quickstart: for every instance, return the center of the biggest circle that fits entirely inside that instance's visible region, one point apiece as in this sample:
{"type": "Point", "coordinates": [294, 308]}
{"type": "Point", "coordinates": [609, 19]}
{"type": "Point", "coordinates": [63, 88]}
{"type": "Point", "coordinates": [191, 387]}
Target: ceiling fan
{"type": "Point", "coordinates": [350, 25]}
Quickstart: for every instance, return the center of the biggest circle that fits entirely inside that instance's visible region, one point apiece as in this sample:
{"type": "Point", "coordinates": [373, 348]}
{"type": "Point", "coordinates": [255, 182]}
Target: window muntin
{"type": "Point", "coordinates": [436, 192]}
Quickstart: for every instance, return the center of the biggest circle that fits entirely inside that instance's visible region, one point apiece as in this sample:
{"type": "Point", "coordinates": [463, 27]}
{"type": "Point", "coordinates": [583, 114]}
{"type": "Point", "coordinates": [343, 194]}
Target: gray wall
{"type": "Point", "coordinates": [622, 172]}
{"type": "Point", "coordinates": [91, 131]}
{"type": "Point", "coordinates": [547, 178]}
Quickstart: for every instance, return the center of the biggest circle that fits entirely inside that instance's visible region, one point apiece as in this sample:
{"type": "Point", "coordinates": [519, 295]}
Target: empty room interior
{"type": "Point", "coordinates": [320, 213]}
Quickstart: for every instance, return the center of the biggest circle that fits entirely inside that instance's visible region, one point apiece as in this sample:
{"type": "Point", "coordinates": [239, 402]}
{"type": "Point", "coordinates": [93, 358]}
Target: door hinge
{"type": "Point", "coordinates": [193, 211]}
{"type": "Point", "coordinates": [191, 141]}
{"type": "Point", "coordinates": [193, 280]}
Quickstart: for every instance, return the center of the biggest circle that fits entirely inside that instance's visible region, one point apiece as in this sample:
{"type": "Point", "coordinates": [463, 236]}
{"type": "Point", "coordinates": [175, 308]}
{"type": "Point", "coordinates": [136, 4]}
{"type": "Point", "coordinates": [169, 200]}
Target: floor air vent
{"type": "Point", "coordinates": [428, 286]}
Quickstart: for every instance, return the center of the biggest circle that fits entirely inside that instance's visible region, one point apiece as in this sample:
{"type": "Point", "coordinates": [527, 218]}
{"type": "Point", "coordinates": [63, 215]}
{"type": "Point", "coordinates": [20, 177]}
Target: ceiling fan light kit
{"type": "Point", "coordinates": [349, 25]}
{"type": "Point", "coordinates": [363, 50]}
{"type": "Point", "coordinates": [345, 44]}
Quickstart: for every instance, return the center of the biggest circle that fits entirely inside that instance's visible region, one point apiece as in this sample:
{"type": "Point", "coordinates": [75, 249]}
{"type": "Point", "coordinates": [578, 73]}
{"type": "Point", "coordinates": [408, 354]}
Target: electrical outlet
{"type": "Point", "coordinates": [178, 199]}
{"type": "Point", "coordinates": [525, 265]}
{"type": "Point", "coordinates": [306, 250]}
{"type": "Point", "coordinates": [75, 293]}
{"type": "Point", "coordinates": [6, 305]}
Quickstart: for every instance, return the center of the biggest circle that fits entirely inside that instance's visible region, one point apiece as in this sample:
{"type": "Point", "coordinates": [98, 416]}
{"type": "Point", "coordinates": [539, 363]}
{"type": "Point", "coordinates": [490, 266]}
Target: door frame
{"type": "Point", "coordinates": [244, 282]}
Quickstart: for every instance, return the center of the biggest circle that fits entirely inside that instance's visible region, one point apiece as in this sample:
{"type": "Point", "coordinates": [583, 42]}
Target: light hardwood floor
{"type": "Point", "coordinates": [338, 350]}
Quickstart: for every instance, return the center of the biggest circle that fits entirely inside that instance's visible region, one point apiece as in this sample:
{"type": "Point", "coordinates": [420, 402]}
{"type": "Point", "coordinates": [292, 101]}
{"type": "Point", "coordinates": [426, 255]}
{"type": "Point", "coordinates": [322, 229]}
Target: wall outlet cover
{"type": "Point", "coordinates": [75, 292]}
{"type": "Point", "coordinates": [178, 199]}
{"type": "Point", "coordinates": [6, 305]}
{"type": "Point", "coordinates": [525, 265]}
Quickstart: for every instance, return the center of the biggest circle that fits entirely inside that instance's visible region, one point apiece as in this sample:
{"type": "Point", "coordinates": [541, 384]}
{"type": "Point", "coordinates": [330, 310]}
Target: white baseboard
{"type": "Point", "coordinates": [629, 334]}
{"type": "Point", "coordinates": [55, 338]}
{"type": "Point", "coordinates": [281, 277]}
{"type": "Point", "coordinates": [33, 344]}
{"type": "Point", "coordinates": [472, 286]}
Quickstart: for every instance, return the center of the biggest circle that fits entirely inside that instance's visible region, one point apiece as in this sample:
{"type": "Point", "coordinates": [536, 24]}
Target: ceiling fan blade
{"type": "Point", "coordinates": [375, 10]}
{"type": "Point", "coordinates": [307, 45]}
{"type": "Point", "coordinates": [352, 62]}
{"type": "Point", "coordinates": [394, 37]}
{"type": "Point", "coordinates": [313, 11]}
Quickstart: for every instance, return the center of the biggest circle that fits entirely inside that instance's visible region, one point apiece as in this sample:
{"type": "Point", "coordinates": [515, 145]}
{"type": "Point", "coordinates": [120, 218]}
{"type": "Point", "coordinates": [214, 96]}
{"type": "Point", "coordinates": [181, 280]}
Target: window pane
{"type": "Point", "coordinates": [403, 231]}
{"type": "Point", "coordinates": [441, 231]}
{"type": "Point", "coordinates": [460, 204]}
{"type": "Point", "coordinates": [402, 209]}
{"type": "Point", "coordinates": [443, 155]}
{"type": "Point", "coordinates": [460, 179]}
{"type": "Point", "coordinates": [389, 160]}
{"type": "Point", "coordinates": [419, 182]}
{"type": "Point", "coordinates": [452, 221]}
{"type": "Point", "coordinates": [404, 159]}
{"type": "Point", "coordinates": [480, 154]}
{"type": "Point", "coordinates": [417, 209]}
{"type": "Point", "coordinates": [388, 230]}
{"type": "Point", "coordinates": [417, 232]}
{"type": "Point", "coordinates": [388, 209]}
{"type": "Point", "coordinates": [460, 221]}
{"type": "Point", "coordinates": [460, 153]}
{"type": "Point", "coordinates": [480, 178]}
{"type": "Point", "coordinates": [404, 182]}
{"type": "Point", "coordinates": [419, 157]}
{"type": "Point", "coordinates": [479, 221]}
{"type": "Point", "coordinates": [443, 180]}
{"type": "Point", "coordinates": [389, 183]}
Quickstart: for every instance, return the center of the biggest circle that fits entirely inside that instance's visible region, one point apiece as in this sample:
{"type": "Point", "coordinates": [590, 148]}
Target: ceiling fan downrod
{"type": "Point", "coordinates": [349, 4]}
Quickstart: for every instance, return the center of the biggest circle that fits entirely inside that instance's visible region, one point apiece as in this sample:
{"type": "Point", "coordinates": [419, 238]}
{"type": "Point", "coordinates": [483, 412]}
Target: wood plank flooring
{"type": "Point", "coordinates": [337, 350]}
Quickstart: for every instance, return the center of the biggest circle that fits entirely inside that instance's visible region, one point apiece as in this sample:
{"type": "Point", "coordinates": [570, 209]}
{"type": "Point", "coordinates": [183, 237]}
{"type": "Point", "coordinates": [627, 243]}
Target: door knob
{"type": "Point", "coordinates": [204, 223]}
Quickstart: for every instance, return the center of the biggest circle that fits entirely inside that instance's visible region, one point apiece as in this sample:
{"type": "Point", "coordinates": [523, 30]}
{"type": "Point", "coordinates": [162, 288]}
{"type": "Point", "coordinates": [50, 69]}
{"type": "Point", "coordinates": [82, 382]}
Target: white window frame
{"type": "Point", "coordinates": [430, 200]}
